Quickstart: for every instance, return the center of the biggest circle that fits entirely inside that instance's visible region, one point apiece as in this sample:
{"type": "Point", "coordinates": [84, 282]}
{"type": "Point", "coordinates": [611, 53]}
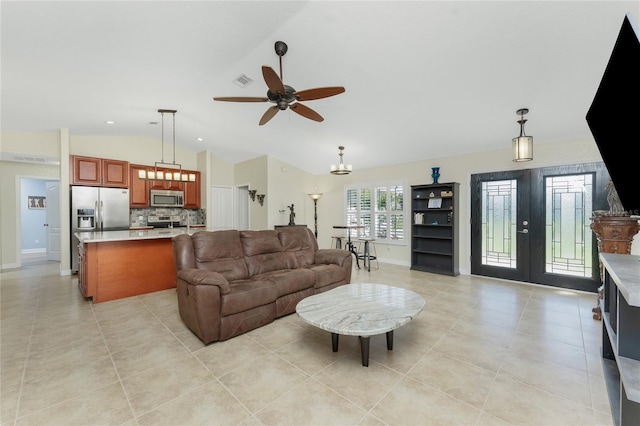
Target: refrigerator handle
{"type": "Point", "coordinates": [101, 215]}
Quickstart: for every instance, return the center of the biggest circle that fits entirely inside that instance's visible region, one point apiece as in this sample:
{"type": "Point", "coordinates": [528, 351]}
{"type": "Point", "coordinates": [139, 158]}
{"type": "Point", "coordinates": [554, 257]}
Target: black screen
{"type": "Point", "coordinates": [614, 117]}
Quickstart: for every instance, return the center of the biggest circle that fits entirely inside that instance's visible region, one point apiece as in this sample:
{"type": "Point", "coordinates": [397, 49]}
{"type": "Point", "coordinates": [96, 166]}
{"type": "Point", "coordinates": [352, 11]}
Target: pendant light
{"type": "Point", "coordinates": [523, 144]}
{"type": "Point", "coordinates": [341, 168]}
{"type": "Point", "coordinates": [171, 175]}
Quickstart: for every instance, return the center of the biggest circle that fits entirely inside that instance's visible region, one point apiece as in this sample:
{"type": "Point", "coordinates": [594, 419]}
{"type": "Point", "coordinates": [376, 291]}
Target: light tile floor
{"type": "Point", "coordinates": [483, 352]}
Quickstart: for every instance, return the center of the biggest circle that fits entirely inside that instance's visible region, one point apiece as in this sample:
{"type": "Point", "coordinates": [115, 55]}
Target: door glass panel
{"type": "Point", "coordinates": [568, 236]}
{"type": "Point", "coordinates": [499, 223]}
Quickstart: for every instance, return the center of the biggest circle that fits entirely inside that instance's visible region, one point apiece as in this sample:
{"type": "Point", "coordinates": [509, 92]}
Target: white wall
{"type": "Point", "coordinates": [283, 184]}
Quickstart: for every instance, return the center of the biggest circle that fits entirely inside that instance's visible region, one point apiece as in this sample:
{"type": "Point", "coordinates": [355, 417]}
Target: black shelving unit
{"type": "Point", "coordinates": [434, 228]}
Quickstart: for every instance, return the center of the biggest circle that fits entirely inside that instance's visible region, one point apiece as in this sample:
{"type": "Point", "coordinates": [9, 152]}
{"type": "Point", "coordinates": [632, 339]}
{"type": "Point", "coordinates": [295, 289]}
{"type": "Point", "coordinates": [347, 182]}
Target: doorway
{"type": "Point", "coordinates": [533, 225]}
{"type": "Point", "coordinates": [38, 221]}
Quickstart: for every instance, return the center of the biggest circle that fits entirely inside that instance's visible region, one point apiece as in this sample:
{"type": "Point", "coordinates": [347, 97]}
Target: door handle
{"type": "Point", "coordinates": [524, 231]}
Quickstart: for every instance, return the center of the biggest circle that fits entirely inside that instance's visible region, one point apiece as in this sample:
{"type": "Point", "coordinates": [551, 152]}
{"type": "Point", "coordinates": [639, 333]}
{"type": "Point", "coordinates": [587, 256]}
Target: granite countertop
{"type": "Point", "coordinates": [625, 271]}
{"type": "Point", "coordinates": [133, 235]}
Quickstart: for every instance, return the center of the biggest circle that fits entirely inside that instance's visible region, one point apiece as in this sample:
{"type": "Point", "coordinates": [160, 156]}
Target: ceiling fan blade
{"type": "Point", "coordinates": [240, 99]}
{"type": "Point", "coordinates": [305, 111]}
{"type": "Point", "coordinates": [319, 93]}
{"type": "Point", "coordinates": [274, 83]}
{"type": "Point", "coordinates": [269, 114]}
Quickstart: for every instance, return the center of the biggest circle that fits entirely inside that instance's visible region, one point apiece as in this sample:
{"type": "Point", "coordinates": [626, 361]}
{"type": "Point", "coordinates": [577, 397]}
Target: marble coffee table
{"type": "Point", "coordinates": [361, 310]}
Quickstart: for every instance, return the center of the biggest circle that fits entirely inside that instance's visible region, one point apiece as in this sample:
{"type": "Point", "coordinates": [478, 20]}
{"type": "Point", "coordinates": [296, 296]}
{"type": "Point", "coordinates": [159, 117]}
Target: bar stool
{"type": "Point", "coordinates": [336, 241]}
{"type": "Point", "coordinates": [368, 252]}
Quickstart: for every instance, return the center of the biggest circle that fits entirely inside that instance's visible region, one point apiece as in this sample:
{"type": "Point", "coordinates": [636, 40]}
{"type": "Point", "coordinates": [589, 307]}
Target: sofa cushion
{"type": "Point", "coordinates": [220, 251]}
{"type": "Point", "coordinates": [301, 243]}
{"type": "Point", "coordinates": [247, 294]}
{"type": "Point", "coordinates": [291, 280]}
{"type": "Point", "coordinates": [327, 275]}
{"type": "Point", "coordinates": [263, 252]}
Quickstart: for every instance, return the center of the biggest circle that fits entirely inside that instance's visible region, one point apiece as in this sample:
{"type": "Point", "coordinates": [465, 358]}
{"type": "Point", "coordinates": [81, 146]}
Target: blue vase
{"type": "Point", "coordinates": [435, 174]}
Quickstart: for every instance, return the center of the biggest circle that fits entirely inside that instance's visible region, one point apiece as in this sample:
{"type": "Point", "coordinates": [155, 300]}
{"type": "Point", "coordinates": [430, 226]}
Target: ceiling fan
{"type": "Point", "coordinates": [284, 96]}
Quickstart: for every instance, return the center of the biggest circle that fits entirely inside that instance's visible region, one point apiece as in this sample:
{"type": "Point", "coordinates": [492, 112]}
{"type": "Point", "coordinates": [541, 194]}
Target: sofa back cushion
{"type": "Point", "coordinates": [220, 251]}
{"type": "Point", "coordinates": [263, 252]}
{"type": "Point", "coordinates": [300, 242]}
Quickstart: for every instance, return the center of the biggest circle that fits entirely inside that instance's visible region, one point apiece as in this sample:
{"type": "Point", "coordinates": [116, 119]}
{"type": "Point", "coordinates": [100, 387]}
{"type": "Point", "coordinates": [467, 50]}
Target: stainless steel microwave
{"type": "Point", "coordinates": [166, 198]}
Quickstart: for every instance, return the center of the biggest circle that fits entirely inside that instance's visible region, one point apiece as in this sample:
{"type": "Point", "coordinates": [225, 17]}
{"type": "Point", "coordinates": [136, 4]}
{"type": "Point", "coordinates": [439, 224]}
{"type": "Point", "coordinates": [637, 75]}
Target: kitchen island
{"type": "Point", "coordinates": [117, 264]}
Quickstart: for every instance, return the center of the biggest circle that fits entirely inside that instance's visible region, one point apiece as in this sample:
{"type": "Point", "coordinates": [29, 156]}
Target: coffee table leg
{"type": "Point", "coordinates": [334, 341]}
{"type": "Point", "coordinates": [390, 340]}
{"type": "Point", "coordinates": [364, 348]}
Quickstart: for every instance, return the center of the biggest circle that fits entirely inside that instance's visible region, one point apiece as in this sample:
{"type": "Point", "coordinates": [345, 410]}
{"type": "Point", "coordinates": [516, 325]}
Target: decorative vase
{"type": "Point", "coordinates": [435, 174]}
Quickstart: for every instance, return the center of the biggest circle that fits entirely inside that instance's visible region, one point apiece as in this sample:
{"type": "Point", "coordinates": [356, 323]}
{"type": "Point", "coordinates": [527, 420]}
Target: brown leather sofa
{"type": "Point", "coordinates": [231, 282]}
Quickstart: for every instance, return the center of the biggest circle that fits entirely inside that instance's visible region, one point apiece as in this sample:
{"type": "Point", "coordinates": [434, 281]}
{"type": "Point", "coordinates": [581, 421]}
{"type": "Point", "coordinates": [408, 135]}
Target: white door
{"type": "Point", "coordinates": [53, 220]}
{"type": "Point", "coordinates": [221, 208]}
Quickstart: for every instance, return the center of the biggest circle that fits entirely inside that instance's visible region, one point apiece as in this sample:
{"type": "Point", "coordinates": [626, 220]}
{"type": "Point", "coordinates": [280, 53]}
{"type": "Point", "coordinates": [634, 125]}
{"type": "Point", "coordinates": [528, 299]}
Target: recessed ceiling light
{"type": "Point", "coordinates": [109, 122]}
{"type": "Point", "coordinates": [200, 139]}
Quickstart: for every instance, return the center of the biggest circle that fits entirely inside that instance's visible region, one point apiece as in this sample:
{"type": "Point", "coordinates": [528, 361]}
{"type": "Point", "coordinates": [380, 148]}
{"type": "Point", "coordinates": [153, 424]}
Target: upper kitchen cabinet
{"type": "Point", "coordinates": [138, 188]}
{"type": "Point", "coordinates": [192, 193]}
{"type": "Point", "coordinates": [99, 172]}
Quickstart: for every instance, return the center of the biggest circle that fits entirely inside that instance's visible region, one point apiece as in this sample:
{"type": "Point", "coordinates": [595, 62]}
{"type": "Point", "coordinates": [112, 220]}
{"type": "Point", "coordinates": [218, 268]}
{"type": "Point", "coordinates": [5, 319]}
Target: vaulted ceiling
{"type": "Point", "coordinates": [423, 79]}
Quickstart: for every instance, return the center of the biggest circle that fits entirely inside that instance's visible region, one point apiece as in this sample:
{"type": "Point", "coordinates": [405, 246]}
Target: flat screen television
{"type": "Point", "coordinates": [614, 116]}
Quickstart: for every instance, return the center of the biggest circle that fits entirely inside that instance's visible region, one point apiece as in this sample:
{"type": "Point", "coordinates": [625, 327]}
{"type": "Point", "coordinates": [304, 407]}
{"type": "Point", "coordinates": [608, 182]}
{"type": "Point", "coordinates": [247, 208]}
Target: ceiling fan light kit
{"type": "Point", "coordinates": [284, 96]}
{"type": "Point", "coordinates": [523, 144]}
{"type": "Point", "coordinates": [156, 174]}
{"type": "Point", "coordinates": [341, 168]}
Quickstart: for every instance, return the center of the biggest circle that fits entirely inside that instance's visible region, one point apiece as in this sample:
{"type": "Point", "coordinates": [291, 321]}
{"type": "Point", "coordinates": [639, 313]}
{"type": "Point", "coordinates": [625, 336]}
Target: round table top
{"type": "Point", "coordinates": [362, 309]}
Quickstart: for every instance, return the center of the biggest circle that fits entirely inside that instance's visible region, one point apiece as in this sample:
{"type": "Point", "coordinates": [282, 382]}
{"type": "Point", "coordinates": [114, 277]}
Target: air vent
{"type": "Point", "coordinates": [29, 158]}
{"type": "Point", "coordinates": [243, 81]}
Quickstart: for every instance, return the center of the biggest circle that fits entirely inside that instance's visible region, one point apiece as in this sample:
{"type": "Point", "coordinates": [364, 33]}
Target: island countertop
{"type": "Point", "coordinates": [133, 235]}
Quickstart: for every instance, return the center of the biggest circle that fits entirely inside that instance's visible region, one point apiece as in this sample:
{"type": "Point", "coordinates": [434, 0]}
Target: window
{"type": "Point", "coordinates": [379, 209]}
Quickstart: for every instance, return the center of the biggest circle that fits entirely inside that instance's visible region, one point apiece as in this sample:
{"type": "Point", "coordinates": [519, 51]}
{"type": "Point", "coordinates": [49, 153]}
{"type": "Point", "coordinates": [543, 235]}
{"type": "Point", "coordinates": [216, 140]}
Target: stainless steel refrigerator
{"type": "Point", "coordinates": [96, 209]}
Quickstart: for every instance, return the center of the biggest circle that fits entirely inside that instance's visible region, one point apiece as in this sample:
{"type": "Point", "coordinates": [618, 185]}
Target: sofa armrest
{"type": "Point", "coordinates": [204, 277]}
{"type": "Point", "coordinates": [332, 256]}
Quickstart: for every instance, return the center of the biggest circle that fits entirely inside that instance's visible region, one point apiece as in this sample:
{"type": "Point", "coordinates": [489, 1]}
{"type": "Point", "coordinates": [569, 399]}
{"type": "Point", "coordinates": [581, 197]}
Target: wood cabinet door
{"type": "Point", "coordinates": [86, 170]}
{"type": "Point", "coordinates": [192, 192]}
{"type": "Point", "coordinates": [138, 188]}
{"type": "Point", "coordinates": [115, 173]}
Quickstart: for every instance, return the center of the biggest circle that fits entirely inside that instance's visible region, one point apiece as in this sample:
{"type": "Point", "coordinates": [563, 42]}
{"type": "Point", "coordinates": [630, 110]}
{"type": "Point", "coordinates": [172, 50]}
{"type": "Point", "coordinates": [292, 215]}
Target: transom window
{"type": "Point", "coordinates": [379, 209]}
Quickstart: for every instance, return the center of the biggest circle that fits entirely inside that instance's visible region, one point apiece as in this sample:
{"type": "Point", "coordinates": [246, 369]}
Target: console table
{"type": "Point", "coordinates": [621, 335]}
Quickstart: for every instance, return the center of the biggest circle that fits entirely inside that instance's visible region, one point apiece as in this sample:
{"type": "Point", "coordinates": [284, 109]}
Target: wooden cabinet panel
{"type": "Point", "coordinates": [192, 193]}
{"type": "Point", "coordinates": [115, 173]}
{"type": "Point", "coordinates": [86, 170]}
{"type": "Point", "coordinates": [138, 188]}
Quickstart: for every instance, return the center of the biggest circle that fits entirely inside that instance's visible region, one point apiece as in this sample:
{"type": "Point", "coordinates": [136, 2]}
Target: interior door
{"type": "Point", "coordinates": [53, 221]}
{"type": "Point", "coordinates": [534, 225]}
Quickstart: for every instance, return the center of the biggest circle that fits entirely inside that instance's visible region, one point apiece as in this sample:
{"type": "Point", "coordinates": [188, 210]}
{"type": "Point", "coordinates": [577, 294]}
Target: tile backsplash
{"type": "Point", "coordinates": [196, 216]}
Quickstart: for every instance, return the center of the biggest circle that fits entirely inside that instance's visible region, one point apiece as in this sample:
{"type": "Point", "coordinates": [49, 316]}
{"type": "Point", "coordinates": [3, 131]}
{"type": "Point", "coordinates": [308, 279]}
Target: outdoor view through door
{"type": "Point", "coordinates": [534, 225]}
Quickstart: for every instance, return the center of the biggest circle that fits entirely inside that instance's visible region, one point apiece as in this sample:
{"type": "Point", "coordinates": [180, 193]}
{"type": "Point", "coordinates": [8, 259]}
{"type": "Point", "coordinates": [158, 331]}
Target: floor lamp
{"type": "Point", "coordinates": [315, 198]}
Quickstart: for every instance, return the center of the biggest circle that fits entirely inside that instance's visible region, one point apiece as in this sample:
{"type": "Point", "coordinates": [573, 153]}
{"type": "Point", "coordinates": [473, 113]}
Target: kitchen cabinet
{"type": "Point", "coordinates": [192, 192]}
{"type": "Point", "coordinates": [138, 188]}
{"type": "Point", "coordinates": [94, 171]}
{"type": "Point", "coordinates": [434, 229]}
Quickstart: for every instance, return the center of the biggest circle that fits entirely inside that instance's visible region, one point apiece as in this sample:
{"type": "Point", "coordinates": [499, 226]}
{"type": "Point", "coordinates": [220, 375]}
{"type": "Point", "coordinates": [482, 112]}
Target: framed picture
{"type": "Point", "coordinates": [435, 203]}
{"type": "Point", "coordinates": [36, 202]}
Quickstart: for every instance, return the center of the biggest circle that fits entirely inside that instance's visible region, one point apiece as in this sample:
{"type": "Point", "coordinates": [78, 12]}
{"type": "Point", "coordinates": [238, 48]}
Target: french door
{"type": "Point", "coordinates": [533, 225]}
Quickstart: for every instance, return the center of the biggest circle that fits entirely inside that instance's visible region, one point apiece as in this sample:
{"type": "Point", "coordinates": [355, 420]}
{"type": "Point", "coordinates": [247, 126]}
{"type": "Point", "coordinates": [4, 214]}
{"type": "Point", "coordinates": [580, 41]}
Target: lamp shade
{"type": "Point", "coordinates": [523, 148]}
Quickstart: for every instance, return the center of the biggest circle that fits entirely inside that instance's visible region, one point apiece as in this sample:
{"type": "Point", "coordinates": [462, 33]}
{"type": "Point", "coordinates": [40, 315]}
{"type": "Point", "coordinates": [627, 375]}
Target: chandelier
{"type": "Point", "coordinates": [341, 168]}
{"type": "Point", "coordinates": [171, 175]}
